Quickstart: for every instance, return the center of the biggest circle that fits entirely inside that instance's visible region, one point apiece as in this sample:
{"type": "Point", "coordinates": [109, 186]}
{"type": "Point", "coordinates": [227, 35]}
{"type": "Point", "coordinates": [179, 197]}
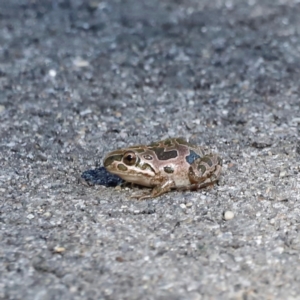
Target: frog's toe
{"type": "Point", "coordinates": [141, 196]}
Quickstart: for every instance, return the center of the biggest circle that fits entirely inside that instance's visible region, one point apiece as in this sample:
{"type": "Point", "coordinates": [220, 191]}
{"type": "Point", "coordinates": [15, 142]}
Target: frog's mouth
{"type": "Point", "coordinates": [141, 180]}
{"type": "Point", "coordinates": [138, 176]}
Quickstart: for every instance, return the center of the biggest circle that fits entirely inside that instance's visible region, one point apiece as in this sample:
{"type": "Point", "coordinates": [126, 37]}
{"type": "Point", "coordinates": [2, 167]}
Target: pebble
{"type": "Point", "coordinates": [52, 73]}
{"type": "Point", "coordinates": [80, 63]}
{"type": "Point", "coordinates": [59, 249]}
{"type": "Point", "coordinates": [228, 215]}
{"type": "Point", "coordinates": [47, 214]}
{"type": "Point", "coordinates": [30, 216]}
{"type": "Point", "coordinates": [282, 174]}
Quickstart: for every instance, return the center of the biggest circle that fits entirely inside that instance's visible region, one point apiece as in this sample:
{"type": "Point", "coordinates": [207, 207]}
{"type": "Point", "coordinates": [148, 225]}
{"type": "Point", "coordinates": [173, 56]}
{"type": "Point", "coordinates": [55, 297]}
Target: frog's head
{"type": "Point", "coordinates": [133, 164]}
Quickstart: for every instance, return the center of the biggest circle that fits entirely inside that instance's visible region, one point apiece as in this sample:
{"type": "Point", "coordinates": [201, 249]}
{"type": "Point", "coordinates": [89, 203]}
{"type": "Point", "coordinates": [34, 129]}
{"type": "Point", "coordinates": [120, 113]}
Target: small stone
{"type": "Point", "coordinates": [279, 250]}
{"type": "Point", "coordinates": [119, 259]}
{"type": "Point", "coordinates": [52, 73]}
{"type": "Point", "coordinates": [282, 174]}
{"type": "Point", "coordinates": [86, 112]}
{"type": "Point", "coordinates": [73, 289]}
{"type": "Point", "coordinates": [183, 206]}
{"type": "Point", "coordinates": [30, 156]}
{"type": "Point", "coordinates": [188, 205]}
{"type": "Point", "coordinates": [123, 135]}
{"type": "Point", "coordinates": [47, 214]}
{"type": "Point", "coordinates": [59, 249]}
{"type": "Point", "coordinates": [228, 215]}
{"type": "Point", "coordinates": [80, 63]}
{"type": "Point", "coordinates": [2, 108]}
{"type": "Point", "coordinates": [30, 216]}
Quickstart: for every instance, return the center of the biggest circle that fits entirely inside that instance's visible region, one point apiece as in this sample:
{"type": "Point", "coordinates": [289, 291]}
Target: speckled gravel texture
{"type": "Point", "coordinates": [81, 78]}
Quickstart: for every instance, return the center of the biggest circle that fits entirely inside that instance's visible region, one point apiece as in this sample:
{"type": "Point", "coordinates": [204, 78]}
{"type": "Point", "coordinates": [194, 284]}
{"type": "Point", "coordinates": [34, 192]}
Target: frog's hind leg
{"type": "Point", "coordinates": [205, 171]}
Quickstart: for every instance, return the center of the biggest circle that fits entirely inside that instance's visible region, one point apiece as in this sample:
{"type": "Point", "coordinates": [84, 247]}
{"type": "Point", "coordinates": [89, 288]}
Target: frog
{"type": "Point", "coordinates": [172, 163]}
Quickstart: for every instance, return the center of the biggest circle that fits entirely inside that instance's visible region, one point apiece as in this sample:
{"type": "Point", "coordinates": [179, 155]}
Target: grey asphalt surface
{"type": "Point", "coordinates": [81, 78]}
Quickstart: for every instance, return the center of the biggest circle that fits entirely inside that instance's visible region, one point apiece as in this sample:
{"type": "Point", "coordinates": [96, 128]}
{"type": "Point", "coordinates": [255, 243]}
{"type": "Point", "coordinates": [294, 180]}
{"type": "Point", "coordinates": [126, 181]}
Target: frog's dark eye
{"type": "Point", "coordinates": [129, 158]}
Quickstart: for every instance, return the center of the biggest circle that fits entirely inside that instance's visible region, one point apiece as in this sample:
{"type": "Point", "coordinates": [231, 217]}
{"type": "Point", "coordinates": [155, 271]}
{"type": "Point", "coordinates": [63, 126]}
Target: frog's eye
{"type": "Point", "coordinates": [129, 158]}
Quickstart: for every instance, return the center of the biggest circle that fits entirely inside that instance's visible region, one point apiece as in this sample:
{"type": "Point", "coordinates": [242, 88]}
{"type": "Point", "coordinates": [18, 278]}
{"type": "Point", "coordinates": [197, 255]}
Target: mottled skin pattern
{"type": "Point", "coordinates": [165, 165]}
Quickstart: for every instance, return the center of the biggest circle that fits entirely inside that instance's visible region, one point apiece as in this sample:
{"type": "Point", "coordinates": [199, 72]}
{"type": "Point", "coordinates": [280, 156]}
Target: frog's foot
{"type": "Point", "coordinates": [141, 196]}
{"type": "Point", "coordinates": [205, 171]}
{"type": "Point", "coordinates": [158, 190]}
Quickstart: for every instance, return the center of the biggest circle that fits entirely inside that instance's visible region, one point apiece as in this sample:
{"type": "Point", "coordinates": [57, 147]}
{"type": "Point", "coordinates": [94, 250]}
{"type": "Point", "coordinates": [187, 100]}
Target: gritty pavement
{"type": "Point", "coordinates": [81, 78]}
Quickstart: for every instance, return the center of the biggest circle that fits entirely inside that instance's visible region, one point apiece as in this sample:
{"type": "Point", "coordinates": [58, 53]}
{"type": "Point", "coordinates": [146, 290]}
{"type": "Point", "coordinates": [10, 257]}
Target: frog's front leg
{"type": "Point", "coordinates": [205, 171]}
{"type": "Point", "coordinates": [164, 186]}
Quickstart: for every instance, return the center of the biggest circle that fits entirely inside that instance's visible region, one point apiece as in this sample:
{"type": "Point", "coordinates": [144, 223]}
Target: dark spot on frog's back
{"type": "Point", "coordinates": [192, 157]}
{"type": "Point", "coordinates": [168, 170]}
{"type": "Point", "coordinates": [110, 159]}
{"type": "Point", "coordinates": [162, 155]}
